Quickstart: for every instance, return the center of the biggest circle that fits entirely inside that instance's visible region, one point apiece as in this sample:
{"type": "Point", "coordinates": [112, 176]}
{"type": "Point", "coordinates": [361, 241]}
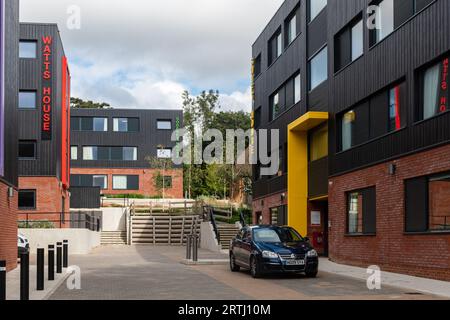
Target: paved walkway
{"type": "Point", "coordinates": [145, 272]}
{"type": "Point", "coordinates": [13, 284]}
{"type": "Point", "coordinates": [429, 286]}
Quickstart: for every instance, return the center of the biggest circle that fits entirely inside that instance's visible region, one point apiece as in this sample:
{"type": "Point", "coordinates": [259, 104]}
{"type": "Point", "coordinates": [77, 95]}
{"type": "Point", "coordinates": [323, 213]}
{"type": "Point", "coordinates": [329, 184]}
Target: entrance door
{"type": "Point", "coordinates": [318, 225]}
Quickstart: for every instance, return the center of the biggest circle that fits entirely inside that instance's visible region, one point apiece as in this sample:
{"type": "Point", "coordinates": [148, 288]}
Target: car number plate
{"type": "Point", "coordinates": [295, 263]}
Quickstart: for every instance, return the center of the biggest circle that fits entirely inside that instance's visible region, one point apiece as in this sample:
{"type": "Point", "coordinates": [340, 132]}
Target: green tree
{"type": "Point", "coordinates": [77, 103]}
{"type": "Point", "coordinates": [200, 114]}
{"type": "Point", "coordinates": [161, 166]}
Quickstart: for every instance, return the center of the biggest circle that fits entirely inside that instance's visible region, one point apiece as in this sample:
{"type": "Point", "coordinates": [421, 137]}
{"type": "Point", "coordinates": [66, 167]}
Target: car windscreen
{"type": "Point", "coordinates": [276, 235]}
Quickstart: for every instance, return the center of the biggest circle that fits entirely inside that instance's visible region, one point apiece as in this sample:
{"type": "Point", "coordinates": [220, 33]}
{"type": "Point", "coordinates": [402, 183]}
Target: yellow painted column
{"type": "Point", "coordinates": [298, 180]}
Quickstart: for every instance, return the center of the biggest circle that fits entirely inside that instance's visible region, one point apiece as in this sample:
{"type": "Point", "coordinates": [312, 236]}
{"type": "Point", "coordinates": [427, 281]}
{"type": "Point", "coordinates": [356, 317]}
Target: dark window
{"type": "Point", "coordinates": [286, 96]}
{"type": "Point", "coordinates": [361, 211]}
{"type": "Point", "coordinates": [86, 180]}
{"type": "Point", "coordinates": [318, 143]}
{"type": "Point", "coordinates": [103, 153]}
{"type": "Point", "coordinates": [126, 125]}
{"type": "Point", "coordinates": [275, 107]}
{"type": "Point", "coordinates": [110, 153]}
{"type": "Point", "coordinates": [316, 7]}
{"type": "Point", "coordinates": [100, 181]}
{"type": "Point", "coordinates": [382, 113]}
{"type": "Point", "coordinates": [27, 49]}
{"type": "Point", "coordinates": [391, 14]}
{"type": "Point", "coordinates": [348, 44]}
{"type": "Point", "coordinates": [427, 205]}
{"type": "Point", "coordinates": [167, 182]}
{"type": "Point", "coordinates": [27, 150]}
{"type": "Point", "coordinates": [27, 99]}
{"type": "Point", "coordinates": [87, 124]}
{"type": "Point", "coordinates": [133, 182]}
{"type": "Point", "coordinates": [318, 69]}
{"type": "Point", "coordinates": [434, 93]}
{"type": "Point", "coordinates": [164, 125]}
{"type": "Point", "coordinates": [75, 124]}
{"type": "Point", "coordinates": [275, 47]}
{"type": "Point", "coordinates": [27, 200]}
{"type": "Point", "coordinates": [116, 153]}
{"type": "Point", "coordinates": [257, 66]}
{"type": "Point", "coordinates": [133, 125]}
{"type": "Point", "coordinates": [126, 182]}
{"type": "Point", "coordinates": [257, 118]}
{"type": "Point", "coordinates": [278, 216]}
{"type": "Point", "coordinates": [292, 26]}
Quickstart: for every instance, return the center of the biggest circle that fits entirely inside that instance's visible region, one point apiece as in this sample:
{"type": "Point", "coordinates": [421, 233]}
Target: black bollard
{"type": "Point", "coordinates": [188, 247]}
{"type": "Point", "coordinates": [2, 280]}
{"type": "Point", "coordinates": [51, 262]}
{"type": "Point", "coordinates": [65, 253]}
{"type": "Point", "coordinates": [59, 257]}
{"type": "Point", "coordinates": [195, 248]}
{"type": "Point", "coordinates": [25, 276]}
{"type": "Point", "coordinates": [40, 270]}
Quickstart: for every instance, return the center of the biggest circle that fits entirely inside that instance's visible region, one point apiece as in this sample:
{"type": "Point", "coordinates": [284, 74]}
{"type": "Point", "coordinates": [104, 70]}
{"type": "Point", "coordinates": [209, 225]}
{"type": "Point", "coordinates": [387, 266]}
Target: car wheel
{"type": "Point", "coordinates": [312, 274]}
{"type": "Point", "coordinates": [233, 266]}
{"type": "Point", "coordinates": [254, 268]}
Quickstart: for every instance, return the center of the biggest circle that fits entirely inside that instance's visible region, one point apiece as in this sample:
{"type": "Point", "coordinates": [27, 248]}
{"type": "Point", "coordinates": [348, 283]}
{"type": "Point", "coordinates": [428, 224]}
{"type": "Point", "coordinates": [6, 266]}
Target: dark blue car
{"type": "Point", "coordinates": [273, 249]}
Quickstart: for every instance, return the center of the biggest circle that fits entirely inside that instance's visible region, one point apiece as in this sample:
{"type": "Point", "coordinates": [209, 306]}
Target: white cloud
{"type": "Point", "coordinates": [140, 53]}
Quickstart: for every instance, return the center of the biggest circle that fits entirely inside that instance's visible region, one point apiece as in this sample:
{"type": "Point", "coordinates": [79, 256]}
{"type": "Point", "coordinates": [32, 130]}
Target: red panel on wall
{"type": "Point", "coordinates": [65, 118]}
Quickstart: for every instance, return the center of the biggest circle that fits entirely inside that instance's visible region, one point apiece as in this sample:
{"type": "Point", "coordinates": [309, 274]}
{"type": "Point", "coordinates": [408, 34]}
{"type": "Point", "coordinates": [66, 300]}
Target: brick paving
{"type": "Point", "coordinates": [146, 272]}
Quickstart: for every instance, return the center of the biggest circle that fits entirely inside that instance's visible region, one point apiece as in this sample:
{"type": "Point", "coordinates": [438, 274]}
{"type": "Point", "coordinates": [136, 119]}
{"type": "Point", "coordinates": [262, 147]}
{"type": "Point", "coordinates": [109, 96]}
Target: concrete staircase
{"type": "Point", "coordinates": [162, 229]}
{"type": "Point", "coordinates": [113, 238]}
{"type": "Point", "coordinates": [227, 232]}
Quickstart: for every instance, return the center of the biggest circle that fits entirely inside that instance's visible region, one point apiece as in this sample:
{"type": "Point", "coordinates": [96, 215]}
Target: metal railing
{"type": "Point", "coordinates": [209, 216]}
{"type": "Point", "coordinates": [58, 220]}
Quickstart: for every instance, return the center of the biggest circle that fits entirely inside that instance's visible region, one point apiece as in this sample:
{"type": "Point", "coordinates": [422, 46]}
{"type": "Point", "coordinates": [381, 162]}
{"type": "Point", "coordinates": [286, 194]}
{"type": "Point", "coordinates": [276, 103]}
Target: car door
{"type": "Point", "coordinates": [246, 247]}
{"type": "Point", "coordinates": [237, 248]}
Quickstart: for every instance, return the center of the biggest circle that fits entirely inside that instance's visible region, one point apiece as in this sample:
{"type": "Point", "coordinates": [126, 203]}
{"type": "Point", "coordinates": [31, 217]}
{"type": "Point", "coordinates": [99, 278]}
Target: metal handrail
{"type": "Point", "coordinates": [213, 222]}
{"type": "Point", "coordinates": [242, 218]}
{"type": "Point", "coordinates": [91, 222]}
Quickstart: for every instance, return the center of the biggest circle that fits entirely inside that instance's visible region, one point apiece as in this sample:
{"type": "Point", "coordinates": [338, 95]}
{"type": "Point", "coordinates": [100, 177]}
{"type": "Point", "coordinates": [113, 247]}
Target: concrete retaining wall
{"type": "Point", "coordinates": [81, 241]}
{"type": "Point", "coordinates": [208, 238]}
{"type": "Point", "coordinates": [114, 219]}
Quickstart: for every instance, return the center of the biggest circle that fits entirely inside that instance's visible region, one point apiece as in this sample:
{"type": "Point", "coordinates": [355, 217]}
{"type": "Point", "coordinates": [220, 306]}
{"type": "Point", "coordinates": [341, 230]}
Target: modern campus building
{"type": "Point", "coordinates": [44, 123]}
{"type": "Point", "coordinates": [113, 148]}
{"type": "Point", "coordinates": [9, 34]}
{"type": "Point", "coordinates": [362, 110]}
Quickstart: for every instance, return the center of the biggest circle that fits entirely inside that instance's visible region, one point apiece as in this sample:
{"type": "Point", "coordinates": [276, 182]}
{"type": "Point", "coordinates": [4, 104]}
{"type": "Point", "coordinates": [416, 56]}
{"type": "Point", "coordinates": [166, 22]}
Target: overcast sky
{"type": "Point", "coordinates": [144, 53]}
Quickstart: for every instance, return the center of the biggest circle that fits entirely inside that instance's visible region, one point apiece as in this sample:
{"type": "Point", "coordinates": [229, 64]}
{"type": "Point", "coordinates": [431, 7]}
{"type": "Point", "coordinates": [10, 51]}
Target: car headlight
{"type": "Point", "coordinates": [269, 255]}
{"type": "Point", "coordinates": [312, 253]}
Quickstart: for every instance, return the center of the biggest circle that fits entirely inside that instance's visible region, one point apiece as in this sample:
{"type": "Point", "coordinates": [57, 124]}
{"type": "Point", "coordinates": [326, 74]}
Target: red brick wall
{"type": "Point", "coordinates": [146, 180]}
{"type": "Point", "coordinates": [420, 255]}
{"type": "Point", "coordinates": [49, 197]}
{"type": "Point", "coordinates": [8, 227]}
{"type": "Point", "coordinates": [263, 206]}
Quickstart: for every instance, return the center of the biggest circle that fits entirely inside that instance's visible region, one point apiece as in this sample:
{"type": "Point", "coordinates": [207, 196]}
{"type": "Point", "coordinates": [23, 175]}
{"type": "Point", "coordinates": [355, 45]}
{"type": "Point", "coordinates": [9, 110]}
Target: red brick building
{"type": "Point", "coordinates": [392, 247]}
{"type": "Point", "coordinates": [146, 181]}
{"type": "Point", "coordinates": [363, 114]}
{"type": "Point", "coordinates": [44, 126]}
{"type": "Point", "coordinates": [116, 150]}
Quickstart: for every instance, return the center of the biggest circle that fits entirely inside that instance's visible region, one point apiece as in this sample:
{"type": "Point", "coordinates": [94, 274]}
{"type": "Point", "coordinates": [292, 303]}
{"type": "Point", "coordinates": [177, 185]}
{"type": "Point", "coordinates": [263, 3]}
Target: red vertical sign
{"type": "Point", "coordinates": [47, 88]}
